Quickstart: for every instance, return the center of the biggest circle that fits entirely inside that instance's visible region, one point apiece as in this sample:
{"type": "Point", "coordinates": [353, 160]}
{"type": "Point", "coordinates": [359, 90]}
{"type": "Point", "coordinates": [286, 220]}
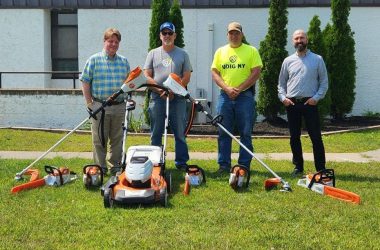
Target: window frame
{"type": "Point", "coordinates": [55, 27]}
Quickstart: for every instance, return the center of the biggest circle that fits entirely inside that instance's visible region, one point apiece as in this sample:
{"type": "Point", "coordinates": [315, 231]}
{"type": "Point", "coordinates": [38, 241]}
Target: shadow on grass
{"type": "Point", "coordinates": [356, 178]}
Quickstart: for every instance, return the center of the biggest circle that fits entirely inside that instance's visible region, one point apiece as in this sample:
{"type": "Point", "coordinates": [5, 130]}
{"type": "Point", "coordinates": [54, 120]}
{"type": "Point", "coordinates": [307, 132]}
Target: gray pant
{"type": "Point", "coordinates": [113, 134]}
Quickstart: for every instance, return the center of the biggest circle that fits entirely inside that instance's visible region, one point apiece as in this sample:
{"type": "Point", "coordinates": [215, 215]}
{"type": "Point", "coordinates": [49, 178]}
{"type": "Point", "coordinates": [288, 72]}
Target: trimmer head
{"type": "Point", "coordinates": [34, 175]}
{"type": "Point", "coordinates": [18, 177]}
{"type": "Point", "coordinates": [272, 183]}
{"type": "Point", "coordinates": [286, 188]}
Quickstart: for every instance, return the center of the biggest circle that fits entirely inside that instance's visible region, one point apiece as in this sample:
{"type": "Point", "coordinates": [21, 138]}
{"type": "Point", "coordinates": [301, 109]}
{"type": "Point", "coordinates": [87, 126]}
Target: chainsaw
{"type": "Point", "coordinates": [55, 177]}
{"type": "Point", "coordinates": [323, 182]}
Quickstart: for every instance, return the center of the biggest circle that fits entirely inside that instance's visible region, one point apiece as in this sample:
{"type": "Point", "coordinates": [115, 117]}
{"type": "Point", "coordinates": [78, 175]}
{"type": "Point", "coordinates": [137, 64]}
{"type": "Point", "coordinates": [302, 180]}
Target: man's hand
{"type": "Point", "coordinates": [232, 92]}
{"type": "Point", "coordinates": [163, 94]}
{"type": "Point", "coordinates": [311, 102]}
{"type": "Point", "coordinates": [90, 112]}
{"type": "Point", "coordinates": [287, 102]}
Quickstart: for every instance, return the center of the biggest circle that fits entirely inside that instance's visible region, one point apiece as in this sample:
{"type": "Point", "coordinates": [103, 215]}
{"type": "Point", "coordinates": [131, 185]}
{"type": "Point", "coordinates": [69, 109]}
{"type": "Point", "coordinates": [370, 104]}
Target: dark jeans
{"type": "Point", "coordinates": [311, 117]}
{"type": "Point", "coordinates": [177, 122]}
{"type": "Point", "coordinates": [239, 113]}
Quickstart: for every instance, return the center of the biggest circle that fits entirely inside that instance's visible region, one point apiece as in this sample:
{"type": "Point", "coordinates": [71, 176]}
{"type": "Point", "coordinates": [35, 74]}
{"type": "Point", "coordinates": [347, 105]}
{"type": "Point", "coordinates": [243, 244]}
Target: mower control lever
{"type": "Point", "coordinates": [131, 104]}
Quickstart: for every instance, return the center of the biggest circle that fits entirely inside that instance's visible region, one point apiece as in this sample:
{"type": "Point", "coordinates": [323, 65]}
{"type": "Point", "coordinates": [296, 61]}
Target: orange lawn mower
{"type": "Point", "coordinates": [174, 84]}
{"type": "Point", "coordinates": [141, 177]}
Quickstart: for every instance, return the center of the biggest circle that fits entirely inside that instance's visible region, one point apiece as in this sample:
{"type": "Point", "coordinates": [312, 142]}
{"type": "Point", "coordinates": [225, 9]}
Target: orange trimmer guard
{"type": "Point", "coordinates": [271, 183]}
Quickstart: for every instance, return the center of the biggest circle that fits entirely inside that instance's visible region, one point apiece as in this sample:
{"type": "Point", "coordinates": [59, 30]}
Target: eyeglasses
{"type": "Point", "coordinates": [170, 33]}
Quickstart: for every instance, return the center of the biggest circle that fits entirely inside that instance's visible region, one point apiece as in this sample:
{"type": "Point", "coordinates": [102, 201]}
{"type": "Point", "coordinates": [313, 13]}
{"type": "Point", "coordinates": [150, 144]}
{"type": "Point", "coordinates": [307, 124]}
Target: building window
{"type": "Point", "coordinates": [64, 42]}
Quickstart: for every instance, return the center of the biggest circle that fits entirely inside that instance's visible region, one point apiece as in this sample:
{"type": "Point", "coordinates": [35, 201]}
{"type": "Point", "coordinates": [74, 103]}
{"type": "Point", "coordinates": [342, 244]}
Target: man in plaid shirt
{"type": "Point", "coordinates": [103, 75]}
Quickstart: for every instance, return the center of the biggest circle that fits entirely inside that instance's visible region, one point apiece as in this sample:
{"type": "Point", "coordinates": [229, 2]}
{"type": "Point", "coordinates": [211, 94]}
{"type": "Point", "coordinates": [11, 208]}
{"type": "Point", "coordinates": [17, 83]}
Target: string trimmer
{"type": "Point", "coordinates": [174, 84]}
{"type": "Point", "coordinates": [134, 80]}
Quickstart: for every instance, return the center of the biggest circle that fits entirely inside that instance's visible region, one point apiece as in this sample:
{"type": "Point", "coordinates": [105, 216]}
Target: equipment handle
{"type": "Point", "coordinates": [50, 170]}
{"type": "Point", "coordinates": [154, 86]}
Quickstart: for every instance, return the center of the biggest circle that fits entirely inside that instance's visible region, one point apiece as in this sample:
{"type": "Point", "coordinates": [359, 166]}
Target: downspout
{"type": "Point", "coordinates": [210, 85]}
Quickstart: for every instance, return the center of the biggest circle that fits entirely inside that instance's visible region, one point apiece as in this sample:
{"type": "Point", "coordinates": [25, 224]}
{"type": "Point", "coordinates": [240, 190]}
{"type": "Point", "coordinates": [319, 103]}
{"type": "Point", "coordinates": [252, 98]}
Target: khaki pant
{"type": "Point", "coordinates": [113, 134]}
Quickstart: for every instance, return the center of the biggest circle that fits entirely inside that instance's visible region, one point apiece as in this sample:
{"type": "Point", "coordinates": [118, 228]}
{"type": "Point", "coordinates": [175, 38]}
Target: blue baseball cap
{"type": "Point", "coordinates": [167, 25]}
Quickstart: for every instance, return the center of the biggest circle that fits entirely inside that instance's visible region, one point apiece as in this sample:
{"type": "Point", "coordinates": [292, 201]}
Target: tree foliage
{"type": "Point", "coordinates": [273, 52]}
{"type": "Point", "coordinates": [317, 45]}
{"type": "Point", "coordinates": [341, 59]}
{"type": "Point", "coordinates": [175, 16]}
{"type": "Point", "coordinates": [160, 14]}
{"type": "Point", "coordinates": [315, 37]}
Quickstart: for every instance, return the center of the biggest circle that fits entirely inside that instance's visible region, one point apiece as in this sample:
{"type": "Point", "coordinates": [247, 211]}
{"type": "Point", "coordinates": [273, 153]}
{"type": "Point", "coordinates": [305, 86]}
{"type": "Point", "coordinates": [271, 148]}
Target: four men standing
{"type": "Point", "coordinates": [235, 69]}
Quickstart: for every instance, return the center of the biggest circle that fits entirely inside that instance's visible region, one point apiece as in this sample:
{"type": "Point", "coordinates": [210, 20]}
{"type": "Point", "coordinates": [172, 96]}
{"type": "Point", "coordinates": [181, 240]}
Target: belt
{"type": "Point", "coordinates": [250, 89]}
{"type": "Point", "coordinates": [299, 99]}
{"type": "Point", "coordinates": [112, 102]}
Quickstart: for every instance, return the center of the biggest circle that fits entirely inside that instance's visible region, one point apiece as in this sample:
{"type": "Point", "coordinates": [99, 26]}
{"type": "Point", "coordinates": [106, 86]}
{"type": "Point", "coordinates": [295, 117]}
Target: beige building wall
{"type": "Point", "coordinates": [25, 46]}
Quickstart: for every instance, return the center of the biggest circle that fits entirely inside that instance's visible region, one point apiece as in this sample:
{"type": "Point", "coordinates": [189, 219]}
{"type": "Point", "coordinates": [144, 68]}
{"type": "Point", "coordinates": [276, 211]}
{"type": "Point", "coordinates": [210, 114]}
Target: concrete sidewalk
{"type": "Point", "coordinates": [339, 157]}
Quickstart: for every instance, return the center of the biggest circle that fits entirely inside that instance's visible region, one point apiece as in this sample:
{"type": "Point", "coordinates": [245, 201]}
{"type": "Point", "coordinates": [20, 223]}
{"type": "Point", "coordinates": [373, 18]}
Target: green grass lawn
{"type": "Point", "coordinates": [211, 217]}
{"type": "Point", "coordinates": [41, 141]}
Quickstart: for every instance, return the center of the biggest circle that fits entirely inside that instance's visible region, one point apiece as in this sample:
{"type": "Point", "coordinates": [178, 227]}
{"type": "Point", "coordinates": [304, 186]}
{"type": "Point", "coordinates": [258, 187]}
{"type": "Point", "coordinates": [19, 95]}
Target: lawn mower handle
{"type": "Point", "coordinates": [113, 97]}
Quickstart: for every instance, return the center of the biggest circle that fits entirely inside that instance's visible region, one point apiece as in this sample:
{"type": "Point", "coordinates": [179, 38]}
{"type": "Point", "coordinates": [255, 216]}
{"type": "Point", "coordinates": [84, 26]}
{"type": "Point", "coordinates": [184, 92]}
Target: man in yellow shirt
{"type": "Point", "coordinates": [235, 69]}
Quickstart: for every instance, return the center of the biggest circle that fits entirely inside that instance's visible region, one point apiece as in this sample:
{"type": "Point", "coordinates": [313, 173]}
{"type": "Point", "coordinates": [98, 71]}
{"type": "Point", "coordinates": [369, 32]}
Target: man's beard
{"type": "Point", "coordinates": [167, 42]}
{"type": "Point", "coordinates": [300, 47]}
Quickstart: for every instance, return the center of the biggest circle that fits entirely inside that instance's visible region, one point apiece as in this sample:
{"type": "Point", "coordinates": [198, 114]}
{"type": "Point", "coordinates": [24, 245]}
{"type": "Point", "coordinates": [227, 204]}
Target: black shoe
{"type": "Point", "coordinates": [181, 167]}
{"type": "Point", "coordinates": [105, 171]}
{"type": "Point", "coordinates": [223, 170]}
{"type": "Point", "coordinates": [297, 173]}
{"type": "Point", "coordinates": [115, 170]}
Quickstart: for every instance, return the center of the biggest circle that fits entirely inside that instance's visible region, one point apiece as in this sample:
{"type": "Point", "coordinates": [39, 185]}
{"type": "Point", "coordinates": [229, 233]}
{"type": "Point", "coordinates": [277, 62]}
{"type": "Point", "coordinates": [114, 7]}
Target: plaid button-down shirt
{"type": "Point", "coordinates": [105, 74]}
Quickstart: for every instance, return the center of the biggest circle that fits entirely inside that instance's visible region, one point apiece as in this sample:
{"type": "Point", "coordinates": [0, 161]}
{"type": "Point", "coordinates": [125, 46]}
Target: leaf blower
{"type": "Point", "coordinates": [239, 177]}
{"type": "Point", "coordinates": [92, 176]}
{"type": "Point", "coordinates": [195, 176]}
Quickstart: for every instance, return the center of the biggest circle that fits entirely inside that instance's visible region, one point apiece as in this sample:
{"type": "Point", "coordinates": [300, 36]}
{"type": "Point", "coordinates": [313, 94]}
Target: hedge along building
{"type": "Point", "coordinates": [44, 36]}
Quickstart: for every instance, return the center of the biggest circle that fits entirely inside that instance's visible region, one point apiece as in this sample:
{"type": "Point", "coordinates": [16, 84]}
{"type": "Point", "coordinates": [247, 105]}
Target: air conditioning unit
{"type": "Point", "coordinates": [200, 117]}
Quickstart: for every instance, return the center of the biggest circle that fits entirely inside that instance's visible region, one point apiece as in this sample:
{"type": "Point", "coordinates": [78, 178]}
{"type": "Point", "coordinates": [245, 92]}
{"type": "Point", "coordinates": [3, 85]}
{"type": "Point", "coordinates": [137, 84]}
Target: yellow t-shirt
{"type": "Point", "coordinates": [235, 64]}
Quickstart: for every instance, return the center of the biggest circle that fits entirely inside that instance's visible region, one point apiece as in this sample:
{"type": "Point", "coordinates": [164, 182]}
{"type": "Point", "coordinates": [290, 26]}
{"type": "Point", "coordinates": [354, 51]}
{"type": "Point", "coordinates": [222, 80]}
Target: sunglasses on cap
{"type": "Point", "coordinates": [170, 33]}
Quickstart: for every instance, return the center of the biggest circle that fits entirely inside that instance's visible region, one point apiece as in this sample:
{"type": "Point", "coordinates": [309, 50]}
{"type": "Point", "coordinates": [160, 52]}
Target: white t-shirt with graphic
{"type": "Point", "coordinates": [163, 63]}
